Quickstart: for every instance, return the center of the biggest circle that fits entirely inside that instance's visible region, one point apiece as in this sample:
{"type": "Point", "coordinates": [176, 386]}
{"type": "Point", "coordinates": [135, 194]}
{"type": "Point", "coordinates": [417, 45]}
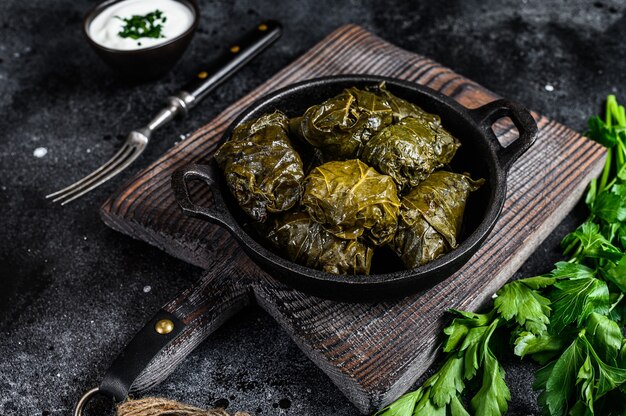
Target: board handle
{"type": "Point", "coordinates": [174, 332]}
{"type": "Point", "coordinates": [488, 114]}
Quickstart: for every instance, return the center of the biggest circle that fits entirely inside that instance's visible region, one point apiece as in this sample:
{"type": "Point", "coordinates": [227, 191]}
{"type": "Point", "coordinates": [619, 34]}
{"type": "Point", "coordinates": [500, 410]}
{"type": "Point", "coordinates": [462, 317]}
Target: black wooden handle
{"type": "Point", "coordinates": [237, 55]}
{"type": "Point", "coordinates": [176, 330]}
{"type": "Point", "coordinates": [523, 121]}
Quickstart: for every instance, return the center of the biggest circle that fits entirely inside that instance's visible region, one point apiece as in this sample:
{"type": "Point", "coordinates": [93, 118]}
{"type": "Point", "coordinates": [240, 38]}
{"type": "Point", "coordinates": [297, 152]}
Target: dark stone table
{"type": "Point", "coordinates": [73, 292]}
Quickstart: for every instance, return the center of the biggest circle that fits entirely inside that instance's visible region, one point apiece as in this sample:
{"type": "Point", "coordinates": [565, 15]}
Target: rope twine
{"type": "Point", "coordinates": [154, 406]}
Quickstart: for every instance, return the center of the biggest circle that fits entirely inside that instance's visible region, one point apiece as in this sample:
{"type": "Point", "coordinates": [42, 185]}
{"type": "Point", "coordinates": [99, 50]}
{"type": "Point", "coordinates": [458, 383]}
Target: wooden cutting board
{"type": "Point", "coordinates": [372, 352]}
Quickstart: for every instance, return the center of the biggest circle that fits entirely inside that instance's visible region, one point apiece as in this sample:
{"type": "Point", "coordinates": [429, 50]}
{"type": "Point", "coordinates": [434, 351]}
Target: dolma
{"type": "Point", "coordinates": [261, 168]}
{"type": "Point", "coordinates": [341, 125]}
{"type": "Point", "coordinates": [410, 150]}
{"type": "Point", "coordinates": [351, 200]}
{"type": "Point", "coordinates": [431, 216]}
{"type": "Point", "coordinates": [304, 241]}
{"type": "Point", "coordinates": [402, 108]}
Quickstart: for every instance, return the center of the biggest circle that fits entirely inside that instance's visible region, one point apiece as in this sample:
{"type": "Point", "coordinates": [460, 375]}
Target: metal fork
{"type": "Point", "coordinates": [238, 55]}
{"type": "Point", "coordinates": [134, 145]}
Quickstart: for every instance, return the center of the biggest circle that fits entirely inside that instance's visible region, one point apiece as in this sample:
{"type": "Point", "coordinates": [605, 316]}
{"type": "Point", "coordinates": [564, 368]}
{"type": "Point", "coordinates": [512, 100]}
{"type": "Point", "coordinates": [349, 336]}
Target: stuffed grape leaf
{"type": "Point", "coordinates": [341, 125]}
{"type": "Point", "coordinates": [304, 241]}
{"type": "Point", "coordinates": [402, 108]}
{"type": "Point", "coordinates": [431, 216]}
{"type": "Point", "coordinates": [261, 168]}
{"type": "Point", "coordinates": [410, 150]}
{"type": "Point", "coordinates": [351, 200]}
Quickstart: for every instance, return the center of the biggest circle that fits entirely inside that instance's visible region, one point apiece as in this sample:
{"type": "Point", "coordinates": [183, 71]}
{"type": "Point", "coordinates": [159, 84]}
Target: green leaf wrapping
{"type": "Point", "coordinates": [402, 108]}
{"type": "Point", "coordinates": [431, 216]}
{"type": "Point", "coordinates": [352, 200]}
{"type": "Point", "coordinates": [410, 150]}
{"type": "Point", "coordinates": [341, 125]}
{"type": "Point", "coordinates": [302, 240]}
{"type": "Point", "coordinates": [263, 171]}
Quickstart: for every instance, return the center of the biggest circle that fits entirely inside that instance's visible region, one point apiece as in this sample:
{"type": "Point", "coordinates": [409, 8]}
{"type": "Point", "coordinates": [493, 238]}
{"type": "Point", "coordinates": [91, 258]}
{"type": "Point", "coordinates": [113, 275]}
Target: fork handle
{"type": "Point", "coordinates": [237, 55]}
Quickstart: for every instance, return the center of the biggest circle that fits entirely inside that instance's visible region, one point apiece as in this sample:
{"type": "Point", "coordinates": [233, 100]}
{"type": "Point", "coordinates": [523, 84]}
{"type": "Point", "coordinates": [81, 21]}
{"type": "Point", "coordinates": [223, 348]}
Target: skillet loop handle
{"type": "Point", "coordinates": [218, 213]}
{"type": "Point", "coordinates": [488, 114]}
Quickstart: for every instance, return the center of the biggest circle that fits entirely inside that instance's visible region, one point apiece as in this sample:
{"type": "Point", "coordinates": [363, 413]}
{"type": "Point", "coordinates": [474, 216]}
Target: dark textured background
{"type": "Point", "coordinates": [72, 291]}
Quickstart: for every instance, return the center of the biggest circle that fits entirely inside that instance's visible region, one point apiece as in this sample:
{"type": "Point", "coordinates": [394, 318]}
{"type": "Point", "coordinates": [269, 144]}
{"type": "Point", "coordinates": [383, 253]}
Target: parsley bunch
{"type": "Point", "coordinates": [570, 320]}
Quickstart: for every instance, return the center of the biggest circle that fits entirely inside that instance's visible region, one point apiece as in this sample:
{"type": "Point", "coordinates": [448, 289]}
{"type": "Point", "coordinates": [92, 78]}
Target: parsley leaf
{"type": "Point", "coordinates": [574, 300]}
{"type": "Point", "coordinates": [404, 405]}
{"type": "Point", "coordinates": [609, 207]}
{"type": "Point", "coordinates": [588, 240]}
{"type": "Point", "coordinates": [616, 273]}
{"type": "Point", "coordinates": [609, 378]}
{"type": "Point", "coordinates": [541, 347]}
{"type": "Point", "coordinates": [527, 306]}
{"type": "Point", "coordinates": [449, 382]}
{"type": "Point", "coordinates": [557, 379]}
{"type": "Point", "coordinates": [472, 347]}
{"type": "Point", "coordinates": [601, 132]}
{"type": "Point", "coordinates": [565, 270]}
{"type": "Point", "coordinates": [457, 408]}
{"type": "Point", "coordinates": [585, 377]}
{"type": "Point", "coordinates": [493, 396]}
{"type": "Point", "coordinates": [459, 327]}
{"type": "Point", "coordinates": [427, 408]}
{"type": "Point", "coordinates": [605, 336]}
{"type": "Point", "coordinates": [621, 235]}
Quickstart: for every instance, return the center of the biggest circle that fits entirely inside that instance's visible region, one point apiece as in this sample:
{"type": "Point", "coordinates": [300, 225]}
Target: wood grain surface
{"type": "Point", "coordinates": [372, 352]}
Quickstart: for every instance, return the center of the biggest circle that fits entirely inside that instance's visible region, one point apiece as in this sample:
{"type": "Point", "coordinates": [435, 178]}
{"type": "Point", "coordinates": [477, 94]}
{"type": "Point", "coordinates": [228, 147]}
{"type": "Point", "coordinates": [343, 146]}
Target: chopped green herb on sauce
{"type": "Point", "coordinates": [146, 26]}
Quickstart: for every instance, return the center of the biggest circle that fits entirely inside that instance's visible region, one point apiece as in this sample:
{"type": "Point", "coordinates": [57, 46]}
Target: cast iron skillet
{"type": "Point", "coordinates": [480, 154]}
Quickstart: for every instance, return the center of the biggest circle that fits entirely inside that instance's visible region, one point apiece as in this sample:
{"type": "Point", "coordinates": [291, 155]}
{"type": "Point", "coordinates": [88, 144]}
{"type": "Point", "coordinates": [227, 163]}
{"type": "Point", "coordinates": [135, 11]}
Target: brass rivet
{"type": "Point", "coordinates": [203, 75]}
{"type": "Point", "coordinates": [235, 49]}
{"type": "Point", "coordinates": [164, 326]}
{"type": "Point", "coordinates": [262, 27]}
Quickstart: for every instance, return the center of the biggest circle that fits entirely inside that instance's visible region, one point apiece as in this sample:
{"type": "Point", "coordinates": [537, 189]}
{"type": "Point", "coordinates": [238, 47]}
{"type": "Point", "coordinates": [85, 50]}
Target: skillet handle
{"type": "Point", "coordinates": [488, 114]}
{"type": "Point", "coordinates": [218, 213]}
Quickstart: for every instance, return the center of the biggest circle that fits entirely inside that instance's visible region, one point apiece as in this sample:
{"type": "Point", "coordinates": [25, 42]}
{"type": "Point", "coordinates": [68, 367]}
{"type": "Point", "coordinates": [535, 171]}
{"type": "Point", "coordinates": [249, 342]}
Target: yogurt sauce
{"type": "Point", "coordinates": [106, 26]}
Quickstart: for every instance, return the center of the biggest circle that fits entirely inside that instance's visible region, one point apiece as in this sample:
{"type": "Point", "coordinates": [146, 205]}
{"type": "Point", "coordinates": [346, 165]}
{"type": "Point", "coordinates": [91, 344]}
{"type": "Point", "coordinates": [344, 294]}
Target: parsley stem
{"type": "Point", "coordinates": [619, 299]}
{"type": "Point", "coordinates": [607, 169]}
{"type": "Point", "coordinates": [611, 109]}
{"type": "Point", "coordinates": [621, 116]}
{"type": "Point", "coordinates": [620, 155]}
